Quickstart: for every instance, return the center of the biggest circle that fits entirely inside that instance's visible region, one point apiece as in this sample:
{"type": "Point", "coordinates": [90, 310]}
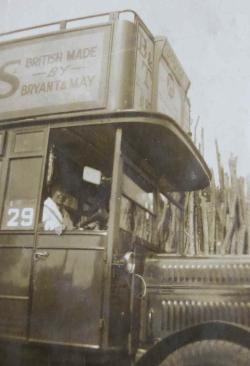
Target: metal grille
{"type": "Point", "coordinates": [182, 292]}
{"type": "Point", "coordinates": [197, 272]}
{"type": "Point", "coordinates": [177, 314]}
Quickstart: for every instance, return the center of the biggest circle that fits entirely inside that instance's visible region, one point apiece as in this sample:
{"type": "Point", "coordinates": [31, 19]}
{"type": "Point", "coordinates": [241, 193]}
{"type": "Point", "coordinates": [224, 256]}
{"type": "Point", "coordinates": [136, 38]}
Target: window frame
{"type": "Point", "coordinates": [52, 130]}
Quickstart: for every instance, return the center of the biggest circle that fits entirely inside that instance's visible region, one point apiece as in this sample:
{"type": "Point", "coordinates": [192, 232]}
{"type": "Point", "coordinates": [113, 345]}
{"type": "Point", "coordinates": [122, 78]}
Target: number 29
{"type": "Point", "coordinates": [20, 217]}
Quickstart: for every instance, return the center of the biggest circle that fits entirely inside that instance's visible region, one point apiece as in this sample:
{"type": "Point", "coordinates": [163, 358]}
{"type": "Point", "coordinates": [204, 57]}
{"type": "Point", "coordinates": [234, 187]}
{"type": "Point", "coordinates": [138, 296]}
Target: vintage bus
{"type": "Point", "coordinates": [94, 138]}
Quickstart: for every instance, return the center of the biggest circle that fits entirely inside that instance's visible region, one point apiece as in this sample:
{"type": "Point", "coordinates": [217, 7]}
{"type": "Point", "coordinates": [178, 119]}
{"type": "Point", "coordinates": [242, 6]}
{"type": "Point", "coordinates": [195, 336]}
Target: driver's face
{"type": "Point", "coordinates": [58, 197]}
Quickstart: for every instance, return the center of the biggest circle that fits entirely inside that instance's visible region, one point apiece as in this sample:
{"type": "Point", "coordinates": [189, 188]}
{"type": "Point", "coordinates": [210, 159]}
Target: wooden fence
{"type": "Point", "coordinates": [217, 219]}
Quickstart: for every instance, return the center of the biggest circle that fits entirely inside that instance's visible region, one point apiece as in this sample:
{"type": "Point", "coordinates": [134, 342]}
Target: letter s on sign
{"type": "Point", "coordinates": [9, 78]}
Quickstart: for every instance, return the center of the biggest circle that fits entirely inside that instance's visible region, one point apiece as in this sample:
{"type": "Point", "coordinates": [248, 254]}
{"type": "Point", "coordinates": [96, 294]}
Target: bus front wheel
{"type": "Point", "coordinates": [209, 353]}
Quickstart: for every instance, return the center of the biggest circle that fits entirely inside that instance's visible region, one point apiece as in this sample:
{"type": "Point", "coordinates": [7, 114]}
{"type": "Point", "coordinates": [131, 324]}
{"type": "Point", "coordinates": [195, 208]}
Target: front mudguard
{"type": "Point", "coordinates": [215, 330]}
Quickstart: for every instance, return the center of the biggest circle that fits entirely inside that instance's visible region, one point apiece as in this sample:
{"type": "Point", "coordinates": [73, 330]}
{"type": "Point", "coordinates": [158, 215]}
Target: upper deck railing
{"type": "Point", "coordinates": [69, 24]}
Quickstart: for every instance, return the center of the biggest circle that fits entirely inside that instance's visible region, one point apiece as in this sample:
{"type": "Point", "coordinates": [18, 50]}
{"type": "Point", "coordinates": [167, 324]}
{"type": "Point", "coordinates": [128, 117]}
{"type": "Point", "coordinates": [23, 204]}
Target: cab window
{"type": "Point", "coordinates": [77, 182]}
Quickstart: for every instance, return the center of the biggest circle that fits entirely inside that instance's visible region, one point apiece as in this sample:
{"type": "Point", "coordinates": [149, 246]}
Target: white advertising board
{"type": "Point", "coordinates": [55, 73]}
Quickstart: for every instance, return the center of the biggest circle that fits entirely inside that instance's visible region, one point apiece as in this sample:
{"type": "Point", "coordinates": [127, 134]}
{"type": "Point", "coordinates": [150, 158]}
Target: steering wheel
{"type": "Point", "coordinates": [100, 216]}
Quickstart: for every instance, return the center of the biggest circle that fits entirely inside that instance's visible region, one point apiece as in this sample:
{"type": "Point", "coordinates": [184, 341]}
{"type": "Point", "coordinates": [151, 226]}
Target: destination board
{"type": "Point", "coordinates": [144, 70]}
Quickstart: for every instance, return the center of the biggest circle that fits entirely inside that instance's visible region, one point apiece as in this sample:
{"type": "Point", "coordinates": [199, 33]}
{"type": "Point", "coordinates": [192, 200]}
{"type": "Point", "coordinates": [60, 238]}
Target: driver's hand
{"type": "Point", "coordinates": [81, 222]}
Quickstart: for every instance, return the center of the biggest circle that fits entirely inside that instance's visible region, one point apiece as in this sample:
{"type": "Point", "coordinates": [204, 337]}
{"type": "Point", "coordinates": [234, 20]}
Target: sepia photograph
{"type": "Point", "coordinates": [124, 183]}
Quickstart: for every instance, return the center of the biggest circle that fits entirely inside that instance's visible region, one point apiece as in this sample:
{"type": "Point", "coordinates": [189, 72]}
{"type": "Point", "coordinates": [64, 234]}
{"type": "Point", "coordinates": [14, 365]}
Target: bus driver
{"type": "Point", "coordinates": [55, 217]}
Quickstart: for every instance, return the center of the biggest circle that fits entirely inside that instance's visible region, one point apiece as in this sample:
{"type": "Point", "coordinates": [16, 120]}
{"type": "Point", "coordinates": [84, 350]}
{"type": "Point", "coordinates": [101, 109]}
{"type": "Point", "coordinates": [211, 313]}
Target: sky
{"type": "Point", "coordinates": [211, 39]}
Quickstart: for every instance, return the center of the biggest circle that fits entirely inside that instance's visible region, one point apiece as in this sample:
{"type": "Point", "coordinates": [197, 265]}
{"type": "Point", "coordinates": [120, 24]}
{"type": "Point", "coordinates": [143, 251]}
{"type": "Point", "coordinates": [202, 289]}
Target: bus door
{"type": "Point", "coordinates": [71, 240]}
{"type": "Point", "coordinates": [21, 164]}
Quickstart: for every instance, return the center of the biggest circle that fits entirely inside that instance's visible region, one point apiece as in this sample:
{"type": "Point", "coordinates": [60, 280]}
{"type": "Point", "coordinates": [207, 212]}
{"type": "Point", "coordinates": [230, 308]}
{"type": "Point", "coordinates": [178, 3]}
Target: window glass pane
{"type": "Point", "coordinates": [136, 220]}
{"type": "Point", "coordinates": [137, 209]}
{"type": "Point", "coordinates": [169, 222]}
{"type": "Point", "coordinates": [28, 142]}
{"type": "Point", "coordinates": [137, 194]}
{"type": "Point", "coordinates": [21, 196]}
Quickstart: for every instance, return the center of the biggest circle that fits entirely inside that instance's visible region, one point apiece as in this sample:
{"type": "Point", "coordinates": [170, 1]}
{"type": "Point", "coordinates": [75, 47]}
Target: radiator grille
{"type": "Point", "coordinates": [178, 314]}
{"type": "Point", "coordinates": [212, 273]}
{"type": "Point", "coordinates": [182, 292]}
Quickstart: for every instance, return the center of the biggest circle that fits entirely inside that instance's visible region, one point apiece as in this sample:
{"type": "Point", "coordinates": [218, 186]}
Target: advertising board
{"type": "Point", "coordinates": [67, 71]}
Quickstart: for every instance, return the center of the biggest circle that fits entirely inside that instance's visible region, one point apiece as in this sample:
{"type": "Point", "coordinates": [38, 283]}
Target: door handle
{"type": "Point", "coordinates": [144, 291]}
{"type": "Point", "coordinates": [41, 255]}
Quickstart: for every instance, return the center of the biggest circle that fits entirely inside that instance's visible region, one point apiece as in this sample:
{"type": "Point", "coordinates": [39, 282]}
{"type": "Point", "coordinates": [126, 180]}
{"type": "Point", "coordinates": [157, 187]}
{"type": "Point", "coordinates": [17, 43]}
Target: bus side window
{"type": "Point", "coordinates": [21, 194]}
